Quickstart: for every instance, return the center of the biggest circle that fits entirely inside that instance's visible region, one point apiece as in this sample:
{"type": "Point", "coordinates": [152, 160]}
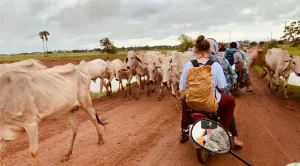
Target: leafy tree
{"type": "Point", "coordinates": [246, 42]}
{"type": "Point", "coordinates": [44, 36]}
{"type": "Point", "coordinates": [185, 43]}
{"type": "Point", "coordinates": [272, 44]}
{"type": "Point", "coordinates": [108, 46]}
{"type": "Point", "coordinates": [254, 43]}
{"type": "Point", "coordinates": [292, 33]}
{"type": "Point", "coordinates": [262, 43]}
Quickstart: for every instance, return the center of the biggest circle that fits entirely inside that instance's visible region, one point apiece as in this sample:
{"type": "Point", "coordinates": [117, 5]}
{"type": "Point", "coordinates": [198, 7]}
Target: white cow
{"type": "Point", "coordinates": [172, 68]}
{"type": "Point", "coordinates": [122, 73]}
{"type": "Point", "coordinates": [151, 60]}
{"type": "Point", "coordinates": [135, 63]}
{"type": "Point", "coordinates": [113, 67]}
{"type": "Point", "coordinates": [96, 68]}
{"type": "Point", "coordinates": [280, 63]}
{"type": "Point", "coordinates": [26, 65]}
{"type": "Point", "coordinates": [27, 98]}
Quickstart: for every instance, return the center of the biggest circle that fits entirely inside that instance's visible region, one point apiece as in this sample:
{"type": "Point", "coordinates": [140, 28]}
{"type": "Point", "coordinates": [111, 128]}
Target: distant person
{"type": "Point", "coordinates": [222, 48]}
{"type": "Point", "coordinates": [239, 59]}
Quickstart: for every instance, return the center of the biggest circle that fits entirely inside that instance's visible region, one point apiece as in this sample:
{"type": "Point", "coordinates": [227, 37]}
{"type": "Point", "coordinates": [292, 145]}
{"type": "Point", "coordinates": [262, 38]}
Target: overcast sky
{"type": "Point", "coordinates": [80, 24]}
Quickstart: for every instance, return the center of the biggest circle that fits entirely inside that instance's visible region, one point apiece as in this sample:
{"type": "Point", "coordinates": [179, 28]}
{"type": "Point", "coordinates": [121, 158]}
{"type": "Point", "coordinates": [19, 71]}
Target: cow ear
{"type": "Point", "coordinates": [138, 59]}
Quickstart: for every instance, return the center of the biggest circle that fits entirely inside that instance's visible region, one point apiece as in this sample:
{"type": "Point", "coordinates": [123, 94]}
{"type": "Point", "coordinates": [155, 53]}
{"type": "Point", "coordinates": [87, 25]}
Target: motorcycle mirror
{"type": "Point", "coordinates": [213, 137]}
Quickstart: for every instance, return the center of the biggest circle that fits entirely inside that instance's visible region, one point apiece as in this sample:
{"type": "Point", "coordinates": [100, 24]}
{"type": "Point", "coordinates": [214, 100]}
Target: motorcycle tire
{"type": "Point", "coordinates": [202, 155]}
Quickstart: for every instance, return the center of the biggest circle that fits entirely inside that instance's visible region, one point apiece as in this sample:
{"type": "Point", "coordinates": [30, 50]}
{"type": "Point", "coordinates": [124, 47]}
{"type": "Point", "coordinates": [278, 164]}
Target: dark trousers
{"type": "Point", "coordinates": [226, 107]}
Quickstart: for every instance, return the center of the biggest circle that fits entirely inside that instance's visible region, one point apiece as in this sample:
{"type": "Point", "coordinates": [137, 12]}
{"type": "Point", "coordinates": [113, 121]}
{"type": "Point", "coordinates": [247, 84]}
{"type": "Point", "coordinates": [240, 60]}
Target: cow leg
{"type": "Point", "coordinates": [138, 86]}
{"type": "Point", "coordinates": [101, 88]}
{"type": "Point", "coordinates": [93, 117]}
{"type": "Point", "coordinates": [160, 91]}
{"type": "Point", "coordinates": [277, 81]}
{"type": "Point", "coordinates": [154, 87]}
{"type": "Point", "coordinates": [142, 83]}
{"type": "Point", "coordinates": [3, 144]}
{"type": "Point", "coordinates": [110, 89]}
{"type": "Point", "coordinates": [121, 85]}
{"type": "Point", "coordinates": [286, 80]}
{"type": "Point", "coordinates": [73, 127]}
{"type": "Point", "coordinates": [32, 131]}
{"type": "Point", "coordinates": [128, 86]}
{"type": "Point", "coordinates": [148, 89]}
{"type": "Point", "coordinates": [270, 79]}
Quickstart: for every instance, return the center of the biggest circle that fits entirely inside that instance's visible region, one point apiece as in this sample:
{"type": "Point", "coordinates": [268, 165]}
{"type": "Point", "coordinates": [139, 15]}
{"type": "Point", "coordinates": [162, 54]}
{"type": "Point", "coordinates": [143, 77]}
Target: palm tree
{"type": "Point", "coordinates": [44, 35]}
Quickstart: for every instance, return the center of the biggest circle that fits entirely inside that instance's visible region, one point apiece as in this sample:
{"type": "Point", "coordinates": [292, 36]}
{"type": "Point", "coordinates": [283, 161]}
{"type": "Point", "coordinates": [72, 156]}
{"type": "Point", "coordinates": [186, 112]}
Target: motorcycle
{"type": "Point", "coordinates": [202, 154]}
{"type": "Point", "coordinates": [209, 137]}
{"type": "Point", "coordinates": [236, 87]}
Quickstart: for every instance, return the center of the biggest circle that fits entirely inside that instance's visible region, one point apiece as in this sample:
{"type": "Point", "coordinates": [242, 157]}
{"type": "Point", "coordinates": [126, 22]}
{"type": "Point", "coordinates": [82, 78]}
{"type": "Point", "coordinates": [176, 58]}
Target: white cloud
{"type": "Point", "coordinates": [82, 23]}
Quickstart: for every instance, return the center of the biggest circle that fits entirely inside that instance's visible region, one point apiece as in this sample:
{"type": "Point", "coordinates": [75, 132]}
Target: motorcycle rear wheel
{"type": "Point", "coordinates": [202, 155]}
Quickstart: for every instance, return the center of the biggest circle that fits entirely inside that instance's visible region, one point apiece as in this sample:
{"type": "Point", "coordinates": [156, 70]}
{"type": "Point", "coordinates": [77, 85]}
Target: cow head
{"type": "Point", "coordinates": [166, 68]}
{"type": "Point", "coordinates": [132, 61]}
{"type": "Point", "coordinates": [295, 65]}
{"type": "Point", "coordinates": [129, 59]}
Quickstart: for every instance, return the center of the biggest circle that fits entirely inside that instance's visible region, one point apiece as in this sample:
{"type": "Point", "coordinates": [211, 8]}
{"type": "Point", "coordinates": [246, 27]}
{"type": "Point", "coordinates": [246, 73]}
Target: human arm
{"type": "Point", "coordinates": [219, 77]}
{"type": "Point", "coordinates": [183, 79]}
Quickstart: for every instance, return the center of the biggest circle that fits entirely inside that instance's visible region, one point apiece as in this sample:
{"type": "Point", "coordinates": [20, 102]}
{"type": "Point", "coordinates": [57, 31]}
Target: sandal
{"type": "Point", "coordinates": [238, 143]}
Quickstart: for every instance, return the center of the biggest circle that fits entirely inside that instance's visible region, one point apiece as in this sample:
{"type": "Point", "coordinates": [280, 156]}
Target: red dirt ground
{"type": "Point", "coordinates": [147, 132]}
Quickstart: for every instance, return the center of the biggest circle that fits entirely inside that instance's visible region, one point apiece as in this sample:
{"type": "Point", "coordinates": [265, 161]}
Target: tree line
{"type": "Point", "coordinates": [291, 36]}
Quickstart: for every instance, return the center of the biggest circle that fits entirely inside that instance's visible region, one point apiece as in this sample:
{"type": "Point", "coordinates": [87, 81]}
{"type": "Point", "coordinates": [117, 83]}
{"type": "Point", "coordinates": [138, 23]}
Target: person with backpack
{"type": "Point", "coordinates": [200, 83]}
{"type": "Point", "coordinates": [231, 78]}
{"type": "Point", "coordinates": [235, 57]}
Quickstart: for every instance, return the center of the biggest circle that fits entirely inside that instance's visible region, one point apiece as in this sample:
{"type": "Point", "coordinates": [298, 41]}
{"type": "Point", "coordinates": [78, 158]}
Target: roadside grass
{"type": "Point", "coordinates": [293, 91]}
{"type": "Point", "coordinates": [86, 55]}
{"type": "Point", "coordinates": [292, 50]}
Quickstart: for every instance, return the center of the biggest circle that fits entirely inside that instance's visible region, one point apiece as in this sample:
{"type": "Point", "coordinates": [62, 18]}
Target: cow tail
{"type": "Point", "coordinates": [100, 122]}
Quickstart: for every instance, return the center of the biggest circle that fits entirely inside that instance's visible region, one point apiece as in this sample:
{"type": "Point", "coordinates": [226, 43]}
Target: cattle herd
{"type": "Point", "coordinates": [29, 90]}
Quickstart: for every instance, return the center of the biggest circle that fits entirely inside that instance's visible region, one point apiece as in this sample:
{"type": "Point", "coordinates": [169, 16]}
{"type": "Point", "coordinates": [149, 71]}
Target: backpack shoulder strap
{"type": "Point", "coordinates": [209, 63]}
{"type": "Point", "coordinates": [195, 63]}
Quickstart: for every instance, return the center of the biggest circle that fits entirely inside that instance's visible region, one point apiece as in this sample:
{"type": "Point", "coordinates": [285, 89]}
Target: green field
{"type": "Point", "coordinates": [86, 55]}
{"type": "Point", "coordinates": [292, 50]}
{"type": "Point", "coordinates": [93, 55]}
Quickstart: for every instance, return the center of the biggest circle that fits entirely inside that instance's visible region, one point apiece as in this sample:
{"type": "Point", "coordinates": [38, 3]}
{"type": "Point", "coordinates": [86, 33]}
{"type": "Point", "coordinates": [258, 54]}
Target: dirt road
{"type": "Point", "coordinates": [146, 132]}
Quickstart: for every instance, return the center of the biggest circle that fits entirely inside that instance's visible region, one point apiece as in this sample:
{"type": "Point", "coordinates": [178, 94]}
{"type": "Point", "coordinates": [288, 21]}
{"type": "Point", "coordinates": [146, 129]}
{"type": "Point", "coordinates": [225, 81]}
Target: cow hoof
{"type": "Point", "coordinates": [148, 93]}
{"type": "Point", "coordinates": [136, 97]}
{"type": "Point", "coordinates": [129, 92]}
{"type": "Point", "coordinates": [159, 98]}
{"type": "Point", "coordinates": [65, 158]}
{"type": "Point", "coordinates": [286, 97]}
{"type": "Point", "coordinates": [101, 142]}
{"type": "Point", "coordinates": [153, 91]}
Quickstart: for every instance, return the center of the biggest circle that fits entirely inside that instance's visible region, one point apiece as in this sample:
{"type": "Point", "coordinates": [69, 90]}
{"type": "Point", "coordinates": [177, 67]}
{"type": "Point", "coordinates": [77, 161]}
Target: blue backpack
{"type": "Point", "coordinates": [229, 56]}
